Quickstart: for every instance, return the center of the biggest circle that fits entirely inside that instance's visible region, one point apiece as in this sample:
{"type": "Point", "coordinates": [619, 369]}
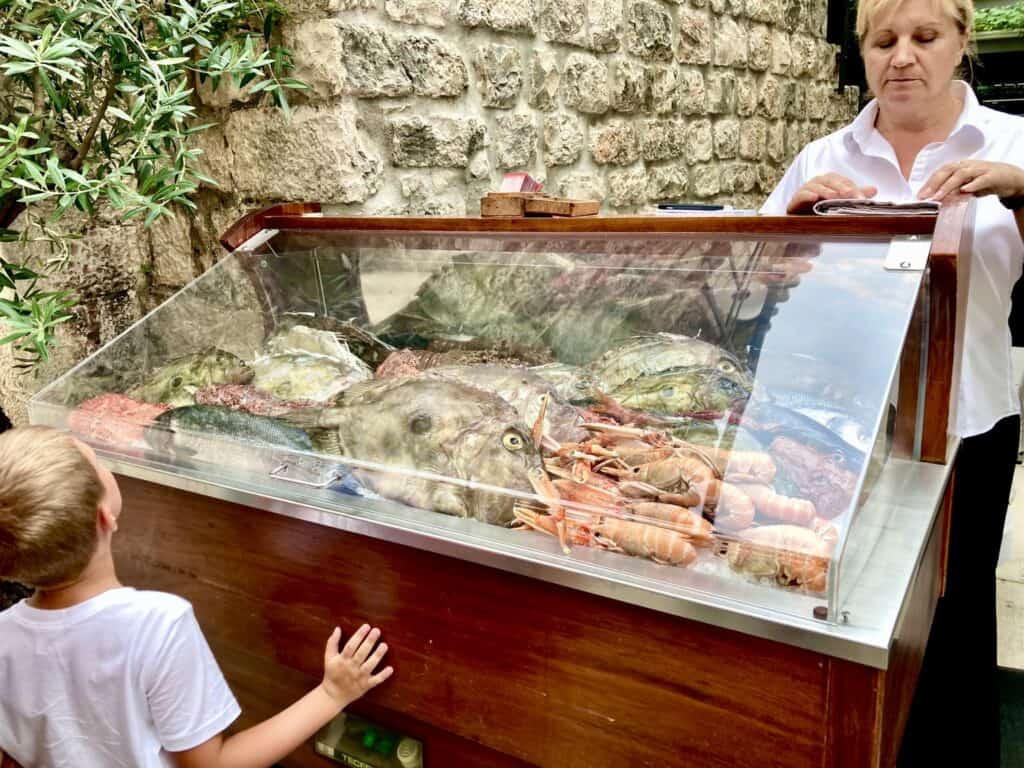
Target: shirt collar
{"type": "Point", "coordinates": [972, 119]}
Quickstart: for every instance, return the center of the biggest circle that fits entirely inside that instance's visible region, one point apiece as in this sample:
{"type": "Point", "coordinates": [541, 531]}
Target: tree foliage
{"type": "Point", "coordinates": [96, 111]}
{"type": "Point", "coordinates": [1001, 17]}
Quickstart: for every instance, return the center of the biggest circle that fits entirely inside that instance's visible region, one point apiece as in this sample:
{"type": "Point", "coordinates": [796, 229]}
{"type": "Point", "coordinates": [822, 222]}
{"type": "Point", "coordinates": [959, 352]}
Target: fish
{"type": "Point", "coordinates": [848, 424]}
{"type": "Point", "coordinates": [197, 434]}
{"type": "Point", "coordinates": [245, 397]}
{"type": "Point", "coordinates": [523, 390]}
{"type": "Point", "coordinates": [769, 421]}
{"type": "Point", "coordinates": [410, 425]}
{"type": "Point", "coordinates": [649, 355]}
{"type": "Point", "coordinates": [307, 376]}
{"type": "Point", "coordinates": [176, 383]}
{"type": "Point", "coordinates": [682, 391]}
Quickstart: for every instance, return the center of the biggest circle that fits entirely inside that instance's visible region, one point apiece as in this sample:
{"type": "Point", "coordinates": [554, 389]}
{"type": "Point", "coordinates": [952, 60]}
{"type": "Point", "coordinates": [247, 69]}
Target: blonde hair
{"type": "Point", "coordinates": [49, 492]}
{"type": "Point", "coordinates": [961, 11]}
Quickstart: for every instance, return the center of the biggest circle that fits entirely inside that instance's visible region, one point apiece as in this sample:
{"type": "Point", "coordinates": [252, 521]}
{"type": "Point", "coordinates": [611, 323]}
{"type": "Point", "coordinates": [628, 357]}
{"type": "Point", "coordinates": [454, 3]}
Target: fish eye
{"type": "Point", "coordinates": [176, 382]}
{"type": "Point", "coordinates": [420, 424]}
{"type": "Point", "coordinates": [668, 392]}
{"type": "Point", "coordinates": [726, 366]}
{"type": "Point", "coordinates": [513, 441]}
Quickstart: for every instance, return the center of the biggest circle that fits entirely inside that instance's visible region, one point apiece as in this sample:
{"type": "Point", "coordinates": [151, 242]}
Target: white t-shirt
{"type": "Point", "coordinates": [859, 152]}
{"type": "Point", "coordinates": [116, 681]}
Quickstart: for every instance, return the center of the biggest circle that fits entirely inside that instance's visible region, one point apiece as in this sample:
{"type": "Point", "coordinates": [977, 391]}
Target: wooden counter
{"type": "Point", "coordinates": [497, 669]}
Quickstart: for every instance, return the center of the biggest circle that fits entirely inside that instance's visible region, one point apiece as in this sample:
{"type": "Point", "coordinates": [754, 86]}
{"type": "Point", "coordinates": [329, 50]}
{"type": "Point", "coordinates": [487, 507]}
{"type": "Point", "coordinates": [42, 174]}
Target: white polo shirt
{"type": "Point", "coordinates": [859, 152]}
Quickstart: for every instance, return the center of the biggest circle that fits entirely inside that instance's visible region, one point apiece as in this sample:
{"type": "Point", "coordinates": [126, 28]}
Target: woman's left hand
{"type": "Point", "coordinates": [974, 177]}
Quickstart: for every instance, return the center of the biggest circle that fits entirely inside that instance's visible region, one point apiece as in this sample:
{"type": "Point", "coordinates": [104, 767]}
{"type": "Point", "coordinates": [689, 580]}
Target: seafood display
{"type": "Point", "coordinates": [583, 406]}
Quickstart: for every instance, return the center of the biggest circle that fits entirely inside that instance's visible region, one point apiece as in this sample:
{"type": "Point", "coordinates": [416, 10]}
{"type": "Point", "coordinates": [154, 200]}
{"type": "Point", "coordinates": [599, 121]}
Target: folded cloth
{"type": "Point", "coordinates": [867, 207]}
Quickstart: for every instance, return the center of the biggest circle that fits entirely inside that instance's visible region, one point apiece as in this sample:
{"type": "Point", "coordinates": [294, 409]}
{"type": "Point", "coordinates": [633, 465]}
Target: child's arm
{"type": "Point", "coordinates": [347, 676]}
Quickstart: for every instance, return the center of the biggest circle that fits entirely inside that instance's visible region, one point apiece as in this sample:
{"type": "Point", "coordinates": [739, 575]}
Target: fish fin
{"type": "Point", "coordinates": [326, 441]}
{"type": "Point", "coordinates": [304, 418]}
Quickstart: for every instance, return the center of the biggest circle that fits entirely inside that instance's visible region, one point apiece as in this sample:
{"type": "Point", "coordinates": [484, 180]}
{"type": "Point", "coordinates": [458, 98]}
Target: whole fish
{"type": "Point", "coordinates": [649, 355]}
{"type": "Point", "coordinates": [245, 397]}
{"type": "Point", "coordinates": [305, 376]}
{"type": "Point", "coordinates": [524, 391]}
{"type": "Point", "coordinates": [431, 425]}
{"type": "Point", "coordinates": [849, 426]}
{"type": "Point", "coordinates": [198, 433]}
{"type": "Point", "coordinates": [682, 391]}
{"type": "Point", "coordinates": [769, 421]}
{"type": "Point", "coordinates": [175, 383]}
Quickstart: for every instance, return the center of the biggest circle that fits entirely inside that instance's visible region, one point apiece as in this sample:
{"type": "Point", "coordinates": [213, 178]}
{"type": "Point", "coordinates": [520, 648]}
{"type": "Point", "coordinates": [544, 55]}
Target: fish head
{"type": "Point", "coordinates": [690, 390]}
{"type": "Point", "coordinates": [498, 453]}
{"type": "Point", "coordinates": [440, 427]}
{"type": "Point", "coordinates": [177, 382]}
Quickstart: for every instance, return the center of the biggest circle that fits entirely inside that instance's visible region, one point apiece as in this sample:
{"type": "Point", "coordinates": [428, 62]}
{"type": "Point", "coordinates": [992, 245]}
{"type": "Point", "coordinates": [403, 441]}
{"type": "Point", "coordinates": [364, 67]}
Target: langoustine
{"type": "Point", "coordinates": [792, 555]}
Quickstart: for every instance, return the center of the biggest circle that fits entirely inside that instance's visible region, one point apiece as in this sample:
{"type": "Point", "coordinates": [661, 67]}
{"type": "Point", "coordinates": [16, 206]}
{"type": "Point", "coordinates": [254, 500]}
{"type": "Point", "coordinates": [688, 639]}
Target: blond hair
{"type": "Point", "coordinates": [49, 492]}
{"type": "Point", "coordinates": [961, 11]}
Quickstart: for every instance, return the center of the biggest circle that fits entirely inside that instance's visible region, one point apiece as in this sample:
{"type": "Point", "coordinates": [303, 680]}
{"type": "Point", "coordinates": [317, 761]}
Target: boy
{"type": "Point", "coordinates": [93, 673]}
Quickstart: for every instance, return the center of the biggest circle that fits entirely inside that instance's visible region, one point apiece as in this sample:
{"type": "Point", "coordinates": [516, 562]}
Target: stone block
{"type": "Point", "coordinates": [605, 22]}
{"type": "Point", "coordinates": [430, 13]}
{"type": "Point", "coordinates": [582, 186]}
{"type": "Point", "coordinates": [564, 21]}
{"type": "Point", "coordinates": [664, 86]}
{"type": "Point", "coordinates": [515, 140]}
{"type": "Point", "coordinates": [585, 84]}
{"type": "Point", "coordinates": [796, 102]}
{"type": "Point", "coordinates": [667, 182]}
{"type": "Point", "coordinates": [170, 243]}
{"type": "Point", "coordinates": [320, 153]}
{"type": "Point", "coordinates": [499, 72]}
{"type": "Point", "coordinates": [817, 100]}
{"type": "Point", "coordinates": [768, 177]}
{"type": "Point", "coordinates": [419, 142]}
{"type": "Point", "coordinates": [663, 139]}
{"type": "Point", "coordinates": [500, 15]}
{"type": "Point", "coordinates": [648, 31]}
{"type": "Point", "coordinates": [747, 95]}
{"type": "Point", "coordinates": [691, 95]}
{"type": "Point", "coordinates": [544, 78]}
{"type": "Point", "coordinates": [753, 138]}
{"type": "Point", "coordinates": [727, 138]}
{"type": "Point", "coordinates": [629, 86]}
{"type": "Point", "coordinates": [694, 37]}
{"type": "Point", "coordinates": [780, 52]}
{"type": "Point", "coordinates": [705, 181]}
{"type": "Point", "coordinates": [616, 143]}
{"type": "Point", "coordinates": [768, 11]}
{"type": "Point", "coordinates": [563, 139]}
{"type": "Point", "coordinates": [730, 43]}
{"type": "Point", "coordinates": [435, 67]}
{"type": "Point", "coordinates": [699, 140]}
{"type": "Point", "coordinates": [738, 177]}
{"type": "Point", "coordinates": [721, 92]}
{"type": "Point", "coordinates": [776, 145]}
{"type": "Point", "coordinates": [772, 101]}
{"type": "Point", "coordinates": [318, 50]}
{"type": "Point", "coordinates": [372, 65]}
{"type": "Point", "coordinates": [627, 189]}
{"type": "Point", "coordinates": [759, 47]}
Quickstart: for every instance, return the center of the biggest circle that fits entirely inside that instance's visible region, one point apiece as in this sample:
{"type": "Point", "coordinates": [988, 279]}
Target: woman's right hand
{"type": "Point", "coordinates": [829, 186]}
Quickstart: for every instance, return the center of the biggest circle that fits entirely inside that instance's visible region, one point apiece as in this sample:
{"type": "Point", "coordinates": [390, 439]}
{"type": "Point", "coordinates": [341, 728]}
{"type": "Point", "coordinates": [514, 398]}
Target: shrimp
{"type": "Point", "coordinates": [780, 508]}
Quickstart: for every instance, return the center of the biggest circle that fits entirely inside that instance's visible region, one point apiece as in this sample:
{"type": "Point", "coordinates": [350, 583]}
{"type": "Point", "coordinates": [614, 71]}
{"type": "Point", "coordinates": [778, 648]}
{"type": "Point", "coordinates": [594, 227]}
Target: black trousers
{"type": "Point", "coordinates": [954, 719]}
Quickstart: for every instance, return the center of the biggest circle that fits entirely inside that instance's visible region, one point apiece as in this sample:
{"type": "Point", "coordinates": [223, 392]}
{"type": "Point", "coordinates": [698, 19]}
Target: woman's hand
{"type": "Point", "coordinates": [974, 177]}
{"type": "Point", "coordinates": [827, 187]}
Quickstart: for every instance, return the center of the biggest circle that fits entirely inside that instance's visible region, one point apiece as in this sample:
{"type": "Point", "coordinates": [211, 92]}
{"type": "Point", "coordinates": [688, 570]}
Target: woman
{"type": "Point", "coordinates": [925, 136]}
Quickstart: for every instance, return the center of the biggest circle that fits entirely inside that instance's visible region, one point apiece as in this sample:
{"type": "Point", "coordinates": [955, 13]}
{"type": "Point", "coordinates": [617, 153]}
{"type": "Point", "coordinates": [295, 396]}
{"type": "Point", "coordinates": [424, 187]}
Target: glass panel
{"type": "Point", "coordinates": [699, 414]}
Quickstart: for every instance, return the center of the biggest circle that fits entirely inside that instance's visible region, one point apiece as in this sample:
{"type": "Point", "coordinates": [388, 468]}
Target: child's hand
{"type": "Point", "coordinates": [349, 674]}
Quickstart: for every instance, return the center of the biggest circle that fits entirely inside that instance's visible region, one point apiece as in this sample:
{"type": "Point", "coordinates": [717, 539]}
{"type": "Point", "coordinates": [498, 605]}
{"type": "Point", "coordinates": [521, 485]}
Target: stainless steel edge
{"type": "Point", "coordinates": [865, 643]}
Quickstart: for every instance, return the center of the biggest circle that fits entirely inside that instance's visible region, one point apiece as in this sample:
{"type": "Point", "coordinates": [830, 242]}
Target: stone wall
{"type": "Point", "coordinates": [419, 106]}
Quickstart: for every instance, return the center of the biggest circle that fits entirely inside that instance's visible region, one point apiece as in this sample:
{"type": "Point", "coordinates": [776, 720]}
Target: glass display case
{"type": "Point", "coordinates": [704, 419]}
